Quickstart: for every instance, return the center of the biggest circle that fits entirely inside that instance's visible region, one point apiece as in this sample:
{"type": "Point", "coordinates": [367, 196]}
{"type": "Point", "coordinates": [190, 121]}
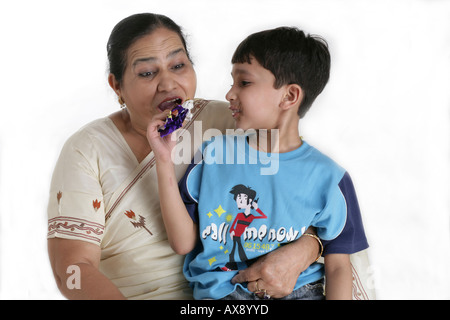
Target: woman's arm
{"type": "Point", "coordinates": [278, 271]}
{"type": "Point", "coordinates": [338, 272]}
{"type": "Point", "coordinates": [91, 284]}
{"type": "Point", "coordinates": [180, 228]}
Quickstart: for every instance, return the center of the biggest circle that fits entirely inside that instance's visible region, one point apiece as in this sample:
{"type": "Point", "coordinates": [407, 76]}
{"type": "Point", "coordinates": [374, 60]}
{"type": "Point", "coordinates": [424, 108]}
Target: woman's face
{"type": "Point", "coordinates": [158, 71]}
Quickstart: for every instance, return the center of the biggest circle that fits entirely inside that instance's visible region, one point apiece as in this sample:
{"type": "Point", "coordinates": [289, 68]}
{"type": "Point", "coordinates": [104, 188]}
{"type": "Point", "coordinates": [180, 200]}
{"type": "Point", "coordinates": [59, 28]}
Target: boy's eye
{"type": "Point", "coordinates": [241, 83]}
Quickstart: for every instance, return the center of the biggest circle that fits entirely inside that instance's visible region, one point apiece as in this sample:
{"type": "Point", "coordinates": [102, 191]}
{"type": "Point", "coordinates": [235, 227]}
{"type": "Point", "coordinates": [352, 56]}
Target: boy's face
{"type": "Point", "coordinates": [254, 102]}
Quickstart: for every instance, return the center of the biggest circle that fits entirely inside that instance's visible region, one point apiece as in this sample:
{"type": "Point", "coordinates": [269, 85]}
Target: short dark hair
{"type": "Point", "coordinates": [240, 188]}
{"type": "Point", "coordinates": [129, 30]}
{"type": "Point", "coordinates": [292, 57]}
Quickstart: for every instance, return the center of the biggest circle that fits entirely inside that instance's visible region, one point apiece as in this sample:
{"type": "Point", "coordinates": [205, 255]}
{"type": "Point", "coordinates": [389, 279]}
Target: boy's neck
{"type": "Point", "coordinates": [275, 140]}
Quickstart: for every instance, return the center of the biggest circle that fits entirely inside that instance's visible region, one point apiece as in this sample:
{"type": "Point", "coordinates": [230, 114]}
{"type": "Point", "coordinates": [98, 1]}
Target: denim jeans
{"type": "Point", "coordinates": [310, 291]}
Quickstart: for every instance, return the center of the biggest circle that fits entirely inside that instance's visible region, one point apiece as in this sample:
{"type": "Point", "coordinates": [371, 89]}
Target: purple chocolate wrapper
{"type": "Point", "coordinates": [173, 122]}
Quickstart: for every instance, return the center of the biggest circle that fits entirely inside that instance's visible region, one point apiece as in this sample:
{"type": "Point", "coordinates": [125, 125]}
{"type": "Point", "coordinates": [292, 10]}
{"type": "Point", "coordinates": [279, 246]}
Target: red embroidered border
{"type": "Point", "coordinates": [358, 289]}
{"type": "Point", "coordinates": [75, 227]}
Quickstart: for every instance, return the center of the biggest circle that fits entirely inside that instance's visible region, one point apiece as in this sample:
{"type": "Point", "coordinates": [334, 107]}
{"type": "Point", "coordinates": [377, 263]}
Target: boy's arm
{"type": "Point", "coordinates": [338, 274]}
{"type": "Point", "coordinates": [181, 229]}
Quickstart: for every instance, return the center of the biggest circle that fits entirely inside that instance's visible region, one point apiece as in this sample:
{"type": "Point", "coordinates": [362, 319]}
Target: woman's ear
{"type": "Point", "coordinates": [292, 98]}
{"type": "Point", "coordinates": [114, 84]}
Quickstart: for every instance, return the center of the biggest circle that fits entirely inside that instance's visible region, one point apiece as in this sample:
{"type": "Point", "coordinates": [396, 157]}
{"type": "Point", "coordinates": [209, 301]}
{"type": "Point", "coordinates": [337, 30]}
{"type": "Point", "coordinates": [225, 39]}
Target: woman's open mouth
{"type": "Point", "coordinates": [169, 104]}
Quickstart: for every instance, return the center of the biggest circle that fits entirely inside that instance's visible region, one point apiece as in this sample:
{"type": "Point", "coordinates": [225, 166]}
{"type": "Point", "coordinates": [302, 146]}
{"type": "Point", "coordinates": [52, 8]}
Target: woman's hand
{"type": "Point", "coordinates": [162, 147]}
{"type": "Point", "coordinates": [277, 272]}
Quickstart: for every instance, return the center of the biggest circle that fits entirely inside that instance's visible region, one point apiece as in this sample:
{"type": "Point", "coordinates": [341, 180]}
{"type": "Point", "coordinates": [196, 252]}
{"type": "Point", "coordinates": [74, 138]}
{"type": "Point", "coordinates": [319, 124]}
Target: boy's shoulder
{"type": "Point", "coordinates": [323, 161]}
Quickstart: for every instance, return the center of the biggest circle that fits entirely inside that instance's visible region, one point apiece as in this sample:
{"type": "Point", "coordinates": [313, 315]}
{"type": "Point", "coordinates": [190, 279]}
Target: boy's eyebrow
{"type": "Point", "coordinates": [239, 71]}
{"type": "Point", "coordinates": [151, 59]}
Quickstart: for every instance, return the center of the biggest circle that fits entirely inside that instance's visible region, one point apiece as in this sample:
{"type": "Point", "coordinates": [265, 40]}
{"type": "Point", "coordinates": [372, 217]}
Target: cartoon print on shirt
{"type": "Point", "coordinates": [245, 200]}
{"type": "Point", "coordinates": [236, 239]}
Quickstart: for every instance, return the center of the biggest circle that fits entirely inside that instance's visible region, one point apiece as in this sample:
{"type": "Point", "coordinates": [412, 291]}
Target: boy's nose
{"type": "Point", "coordinates": [230, 96]}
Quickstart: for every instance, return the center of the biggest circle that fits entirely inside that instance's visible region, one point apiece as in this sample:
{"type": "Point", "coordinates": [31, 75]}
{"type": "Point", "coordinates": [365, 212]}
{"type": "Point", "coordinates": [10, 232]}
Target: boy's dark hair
{"type": "Point", "coordinates": [240, 188]}
{"type": "Point", "coordinates": [292, 57]}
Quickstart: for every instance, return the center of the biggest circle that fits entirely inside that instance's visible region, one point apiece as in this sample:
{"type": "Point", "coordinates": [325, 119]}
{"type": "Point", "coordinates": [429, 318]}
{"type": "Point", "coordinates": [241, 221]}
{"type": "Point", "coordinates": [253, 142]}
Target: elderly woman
{"type": "Point", "coordinates": [106, 238]}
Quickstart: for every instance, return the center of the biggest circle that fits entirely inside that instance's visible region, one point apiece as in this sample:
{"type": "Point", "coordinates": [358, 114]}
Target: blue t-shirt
{"type": "Point", "coordinates": [293, 190]}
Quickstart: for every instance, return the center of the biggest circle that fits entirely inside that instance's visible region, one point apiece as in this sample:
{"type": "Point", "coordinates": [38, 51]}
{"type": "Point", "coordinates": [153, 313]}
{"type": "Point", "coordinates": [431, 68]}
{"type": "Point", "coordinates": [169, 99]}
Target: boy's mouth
{"type": "Point", "coordinates": [235, 112]}
{"type": "Point", "coordinates": [170, 103]}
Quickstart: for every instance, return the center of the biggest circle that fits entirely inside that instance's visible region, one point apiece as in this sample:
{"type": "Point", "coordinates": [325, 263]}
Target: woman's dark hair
{"type": "Point", "coordinates": [292, 57]}
{"type": "Point", "coordinates": [129, 30]}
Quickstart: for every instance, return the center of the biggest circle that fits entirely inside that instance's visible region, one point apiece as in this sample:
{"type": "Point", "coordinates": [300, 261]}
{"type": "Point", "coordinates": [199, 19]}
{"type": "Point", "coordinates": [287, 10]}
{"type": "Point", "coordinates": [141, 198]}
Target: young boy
{"type": "Point", "coordinates": [276, 74]}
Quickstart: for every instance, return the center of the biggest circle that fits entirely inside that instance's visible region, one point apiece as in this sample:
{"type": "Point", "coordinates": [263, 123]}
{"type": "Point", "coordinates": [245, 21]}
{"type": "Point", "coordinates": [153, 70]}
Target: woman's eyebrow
{"type": "Point", "coordinates": [151, 59]}
{"type": "Point", "coordinates": [175, 52]}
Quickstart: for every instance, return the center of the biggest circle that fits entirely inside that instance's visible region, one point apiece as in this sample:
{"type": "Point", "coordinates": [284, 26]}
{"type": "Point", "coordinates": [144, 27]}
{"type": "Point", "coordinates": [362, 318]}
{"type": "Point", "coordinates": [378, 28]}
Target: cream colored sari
{"type": "Point", "coordinates": [101, 194]}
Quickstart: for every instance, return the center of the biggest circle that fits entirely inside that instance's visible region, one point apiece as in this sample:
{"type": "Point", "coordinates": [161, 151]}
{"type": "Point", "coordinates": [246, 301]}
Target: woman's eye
{"type": "Point", "coordinates": [179, 66]}
{"type": "Point", "coordinates": [146, 74]}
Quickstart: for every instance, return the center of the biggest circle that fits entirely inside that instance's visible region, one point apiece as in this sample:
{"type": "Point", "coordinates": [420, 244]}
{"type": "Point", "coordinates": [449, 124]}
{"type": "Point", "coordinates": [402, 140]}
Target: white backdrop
{"type": "Point", "coordinates": [384, 116]}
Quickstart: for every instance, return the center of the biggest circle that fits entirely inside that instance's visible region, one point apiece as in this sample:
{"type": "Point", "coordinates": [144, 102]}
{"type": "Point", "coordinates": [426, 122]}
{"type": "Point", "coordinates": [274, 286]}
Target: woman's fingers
{"type": "Point", "coordinates": [259, 287]}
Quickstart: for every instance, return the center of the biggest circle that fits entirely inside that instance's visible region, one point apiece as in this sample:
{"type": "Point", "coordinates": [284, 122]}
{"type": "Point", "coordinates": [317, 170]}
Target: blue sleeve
{"type": "Point", "coordinates": [352, 238]}
{"type": "Point", "coordinates": [189, 186]}
{"type": "Point", "coordinates": [189, 202]}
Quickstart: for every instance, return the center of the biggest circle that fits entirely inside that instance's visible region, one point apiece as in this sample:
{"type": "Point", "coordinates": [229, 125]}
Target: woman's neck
{"type": "Point", "coordinates": [134, 135]}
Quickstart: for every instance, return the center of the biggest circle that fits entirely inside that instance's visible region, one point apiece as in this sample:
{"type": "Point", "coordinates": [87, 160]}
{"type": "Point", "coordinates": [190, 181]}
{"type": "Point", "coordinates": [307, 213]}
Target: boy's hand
{"type": "Point", "coordinates": [161, 147]}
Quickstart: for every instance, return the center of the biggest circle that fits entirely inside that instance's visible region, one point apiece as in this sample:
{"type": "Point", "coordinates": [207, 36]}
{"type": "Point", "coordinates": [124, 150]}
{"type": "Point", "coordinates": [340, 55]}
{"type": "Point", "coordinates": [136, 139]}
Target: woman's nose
{"type": "Point", "coordinates": [167, 82]}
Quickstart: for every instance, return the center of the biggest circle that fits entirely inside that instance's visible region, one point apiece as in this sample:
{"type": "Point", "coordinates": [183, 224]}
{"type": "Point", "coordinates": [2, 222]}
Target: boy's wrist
{"type": "Point", "coordinates": [164, 168]}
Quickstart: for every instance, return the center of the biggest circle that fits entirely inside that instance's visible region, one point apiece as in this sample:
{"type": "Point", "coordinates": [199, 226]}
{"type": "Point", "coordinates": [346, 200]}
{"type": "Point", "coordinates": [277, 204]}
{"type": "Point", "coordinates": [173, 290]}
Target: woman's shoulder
{"type": "Point", "coordinates": [96, 126]}
{"type": "Point", "coordinates": [212, 106]}
{"type": "Point", "coordinates": [92, 133]}
{"type": "Point", "coordinates": [210, 103]}
{"type": "Point", "coordinates": [213, 114]}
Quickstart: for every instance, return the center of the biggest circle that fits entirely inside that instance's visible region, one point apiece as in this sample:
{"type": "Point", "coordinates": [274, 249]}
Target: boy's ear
{"type": "Point", "coordinates": [292, 98]}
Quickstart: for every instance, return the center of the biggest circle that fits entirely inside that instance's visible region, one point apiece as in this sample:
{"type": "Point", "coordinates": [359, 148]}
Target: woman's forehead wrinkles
{"type": "Point", "coordinates": [153, 46]}
{"type": "Point", "coordinates": [150, 59]}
